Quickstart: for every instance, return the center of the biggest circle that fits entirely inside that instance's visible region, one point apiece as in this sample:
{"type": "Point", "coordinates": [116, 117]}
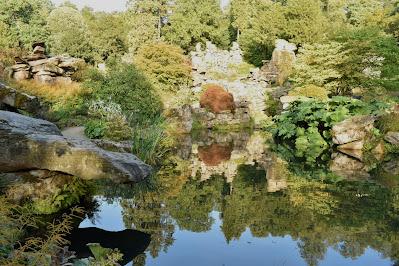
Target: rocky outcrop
{"type": "Point", "coordinates": [239, 118]}
{"type": "Point", "coordinates": [278, 69]}
{"type": "Point", "coordinates": [213, 59]}
{"type": "Point", "coordinates": [392, 138]}
{"type": "Point", "coordinates": [44, 69]}
{"type": "Point", "coordinates": [353, 129]}
{"type": "Point", "coordinates": [13, 99]}
{"type": "Point", "coordinates": [29, 143]}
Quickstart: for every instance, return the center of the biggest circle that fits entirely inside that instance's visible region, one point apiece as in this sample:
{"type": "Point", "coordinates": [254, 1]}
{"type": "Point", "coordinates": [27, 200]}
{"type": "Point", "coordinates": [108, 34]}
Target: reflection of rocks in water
{"type": "Point", "coordinates": [214, 154]}
{"type": "Point", "coordinates": [130, 243]}
{"type": "Point", "coordinates": [276, 177]}
{"type": "Point", "coordinates": [348, 167]}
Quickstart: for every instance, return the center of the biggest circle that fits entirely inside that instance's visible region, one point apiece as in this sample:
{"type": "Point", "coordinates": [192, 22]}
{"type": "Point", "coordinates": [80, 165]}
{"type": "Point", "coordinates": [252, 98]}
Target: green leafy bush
{"type": "Point", "coordinates": [306, 125]}
{"type": "Point", "coordinates": [95, 129]}
{"type": "Point", "coordinates": [125, 85]}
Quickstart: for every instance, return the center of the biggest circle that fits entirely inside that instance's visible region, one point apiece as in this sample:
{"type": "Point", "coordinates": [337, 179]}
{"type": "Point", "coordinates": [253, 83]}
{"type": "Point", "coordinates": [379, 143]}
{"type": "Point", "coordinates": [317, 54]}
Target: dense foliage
{"type": "Point", "coordinates": [128, 87]}
{"type": "Point", "coordinates": [306, 125]}
{"type": "Point", "coordinates": [166, 65]}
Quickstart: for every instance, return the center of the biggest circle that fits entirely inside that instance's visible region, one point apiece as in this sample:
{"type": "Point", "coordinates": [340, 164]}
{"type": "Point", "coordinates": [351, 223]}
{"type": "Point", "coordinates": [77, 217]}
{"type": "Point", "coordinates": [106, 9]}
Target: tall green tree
{"type": "Point", "coordinates": [23, 22]}
{"type": "Point", "coordinates": [107, 34]}
{"type": "Point", "coordinates": [145, 22]}
{"type": "Point", "coordinates": [195, 21]}
{"type": "Point", "coordinates": [69, 33]}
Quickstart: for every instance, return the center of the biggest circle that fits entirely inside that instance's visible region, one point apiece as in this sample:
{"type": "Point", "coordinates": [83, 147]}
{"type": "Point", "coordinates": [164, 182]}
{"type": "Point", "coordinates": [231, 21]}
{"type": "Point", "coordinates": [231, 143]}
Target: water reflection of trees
{"type": "Point", "coordinates": [347, 216]}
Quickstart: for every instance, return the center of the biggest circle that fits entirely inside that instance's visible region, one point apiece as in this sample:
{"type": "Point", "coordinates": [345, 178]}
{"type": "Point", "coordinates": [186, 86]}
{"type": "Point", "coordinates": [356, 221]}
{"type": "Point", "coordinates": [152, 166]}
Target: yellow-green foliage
{"type": "Point", "coordinates": [311, 91]}
{"type": "Point", "coordinates": [164, 64]}
{"type": "Point", "coordinates": [53, 93]}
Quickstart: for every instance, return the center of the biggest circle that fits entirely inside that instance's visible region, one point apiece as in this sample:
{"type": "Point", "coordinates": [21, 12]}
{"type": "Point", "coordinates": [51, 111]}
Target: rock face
{"type": "Point", "coordinates": [217, 99]}
{"type": "Point", "coordinates": [13, 99]}
{"type": "Point", "coordinates": [280, 66]}
{"type": "Point", "coordinates": [29, 143]}
{"type": "Point", "coordinates": [45, 69]}
{"type": "Point", "coordinates": [238, 118]}
{"type": "Point", "coordinates": [393, 138]}
{"type": "Point", "coordinates": [352, 129]}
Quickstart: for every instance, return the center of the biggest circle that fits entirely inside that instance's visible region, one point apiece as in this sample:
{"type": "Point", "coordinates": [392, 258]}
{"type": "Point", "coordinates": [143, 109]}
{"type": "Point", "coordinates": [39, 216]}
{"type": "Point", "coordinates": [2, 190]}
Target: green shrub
{"type": "Point", "coordinates": [311, 91]}
{"type": "Point", "coordinates": [165, 64]}
{"type": "Point", "coordinates": [95, 129]}
{"type": "Point", "coordinates": [125, 85]}
{"type": "Point", "coordinates": [150, 141]}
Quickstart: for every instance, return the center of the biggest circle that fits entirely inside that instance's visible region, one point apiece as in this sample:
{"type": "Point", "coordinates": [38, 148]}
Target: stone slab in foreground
{"type": "Point", "coordinates": [27, 143]}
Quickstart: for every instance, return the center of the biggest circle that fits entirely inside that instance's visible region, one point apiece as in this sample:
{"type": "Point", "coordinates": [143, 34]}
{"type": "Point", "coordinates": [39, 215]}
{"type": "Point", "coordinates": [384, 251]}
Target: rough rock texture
{"type": "Point", "coordinates": [280, 66]}
{"type": "Point", "coordinates": [348, 167]}
{"type": "Point", "coordinates": [393, 138]}
{"type": "Point", "coordinates": [29, 143]}
{"type": "Point", "coordinates": [45, 69]}
{"type": "Point", "coordinates": [17, 100]}
{"type": "Point", "coordinates": [354, 149]}
{"type": "Point", "coordinates": [238, 118]}
{"type": "Point", "coordinates": [214, 66]}
{"type": "Point", "coordinates": [352, 129]}
{"type": "Point", "coordinates": [215, 59]}
{"type": "Point", "coordinates": [217, 99]}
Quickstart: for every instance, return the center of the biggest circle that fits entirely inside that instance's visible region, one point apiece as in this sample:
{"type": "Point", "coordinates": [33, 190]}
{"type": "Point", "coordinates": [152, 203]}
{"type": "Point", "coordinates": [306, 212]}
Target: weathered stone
{"type": "Point", "coordinates": [48, 68]}
{"type": "Point", "coordinates": [39, 50]}
{"type": "Point", "coordinates": [352, 129]}
{"type": "Point", "coordinates": [38, 62]}
{"type": "Point", "coordinates": [123, 146]}
{"type": "Point", "coordinates": [21, 75]}
{"type": "Point", "coordinates": [34, 57]}
{"type": "Point", "coordinates": [70, 62]}
{"type": "Point", "coordinates": [20, 67]}
{"type": "Point", "coordinates": [347, 167]}
{"type": "Point", "coordinates": [393, 138]}
{"type": "Point", "coordinates": [45, 79]}
{"type": "Point", "coordinates": [29, 143]}
{"type": "Point", "coordinates": [18, 100]}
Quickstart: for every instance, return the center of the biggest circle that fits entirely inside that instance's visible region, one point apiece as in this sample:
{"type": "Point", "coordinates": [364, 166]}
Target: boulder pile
{"type": "Point", "coordinates": [43, 68]}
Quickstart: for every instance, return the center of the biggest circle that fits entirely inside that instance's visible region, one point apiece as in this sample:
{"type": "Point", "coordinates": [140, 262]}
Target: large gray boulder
{"type": "Point", "coordinates": [27, 143]}
{"type": "Point", "coordinates": [18, 100]}
{"type": "Point", "coordinates": [352, 129]}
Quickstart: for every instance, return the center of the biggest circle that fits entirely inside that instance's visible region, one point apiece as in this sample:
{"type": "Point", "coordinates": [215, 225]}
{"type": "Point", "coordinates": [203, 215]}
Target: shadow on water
{"type": "Point", "coordinates": [130, 243]}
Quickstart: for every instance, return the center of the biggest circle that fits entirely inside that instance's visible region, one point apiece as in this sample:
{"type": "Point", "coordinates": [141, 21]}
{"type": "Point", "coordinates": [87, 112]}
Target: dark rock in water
{"type": "Point", "coordinates": [130, 243]}
{"type": "Point", "coordinates": [27, 143]}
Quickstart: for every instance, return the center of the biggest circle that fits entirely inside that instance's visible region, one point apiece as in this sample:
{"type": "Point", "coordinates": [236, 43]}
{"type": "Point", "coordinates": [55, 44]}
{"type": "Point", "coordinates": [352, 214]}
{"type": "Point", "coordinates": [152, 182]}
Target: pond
{"type": "Point", "coordinates": [230, 199]}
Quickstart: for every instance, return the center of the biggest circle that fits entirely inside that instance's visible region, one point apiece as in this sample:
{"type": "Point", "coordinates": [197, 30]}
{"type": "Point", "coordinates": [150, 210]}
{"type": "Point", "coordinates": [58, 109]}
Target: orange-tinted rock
{"type": "Point", "coordinates": [214, 154]}
{"type": "Point", "coordinates": [217, 99]}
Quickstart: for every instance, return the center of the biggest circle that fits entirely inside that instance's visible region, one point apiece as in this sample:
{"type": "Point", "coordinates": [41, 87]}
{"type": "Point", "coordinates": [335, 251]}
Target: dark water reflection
{"type": "Point", "coordinates": [228, 200]}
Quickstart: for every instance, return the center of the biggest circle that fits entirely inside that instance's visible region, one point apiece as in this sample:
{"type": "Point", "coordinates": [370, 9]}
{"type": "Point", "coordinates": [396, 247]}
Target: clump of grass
{"type": "Point", "coordinates": [58, 92]}
{"type": "Point", "coordinates": [150, 142]}
{"type": "Point", "coordinates": [389, 122]}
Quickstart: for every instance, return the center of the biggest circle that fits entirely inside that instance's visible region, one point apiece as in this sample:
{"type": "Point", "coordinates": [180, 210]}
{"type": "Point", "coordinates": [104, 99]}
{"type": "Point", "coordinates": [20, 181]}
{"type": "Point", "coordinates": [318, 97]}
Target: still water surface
{"type": "Point", "coordinates": [230, 200]}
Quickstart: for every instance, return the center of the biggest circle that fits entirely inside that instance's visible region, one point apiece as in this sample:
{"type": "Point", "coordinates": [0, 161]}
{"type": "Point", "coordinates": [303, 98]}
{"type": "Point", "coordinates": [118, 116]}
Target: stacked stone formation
{"type": "Point", "coordinates": [45, 69]}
